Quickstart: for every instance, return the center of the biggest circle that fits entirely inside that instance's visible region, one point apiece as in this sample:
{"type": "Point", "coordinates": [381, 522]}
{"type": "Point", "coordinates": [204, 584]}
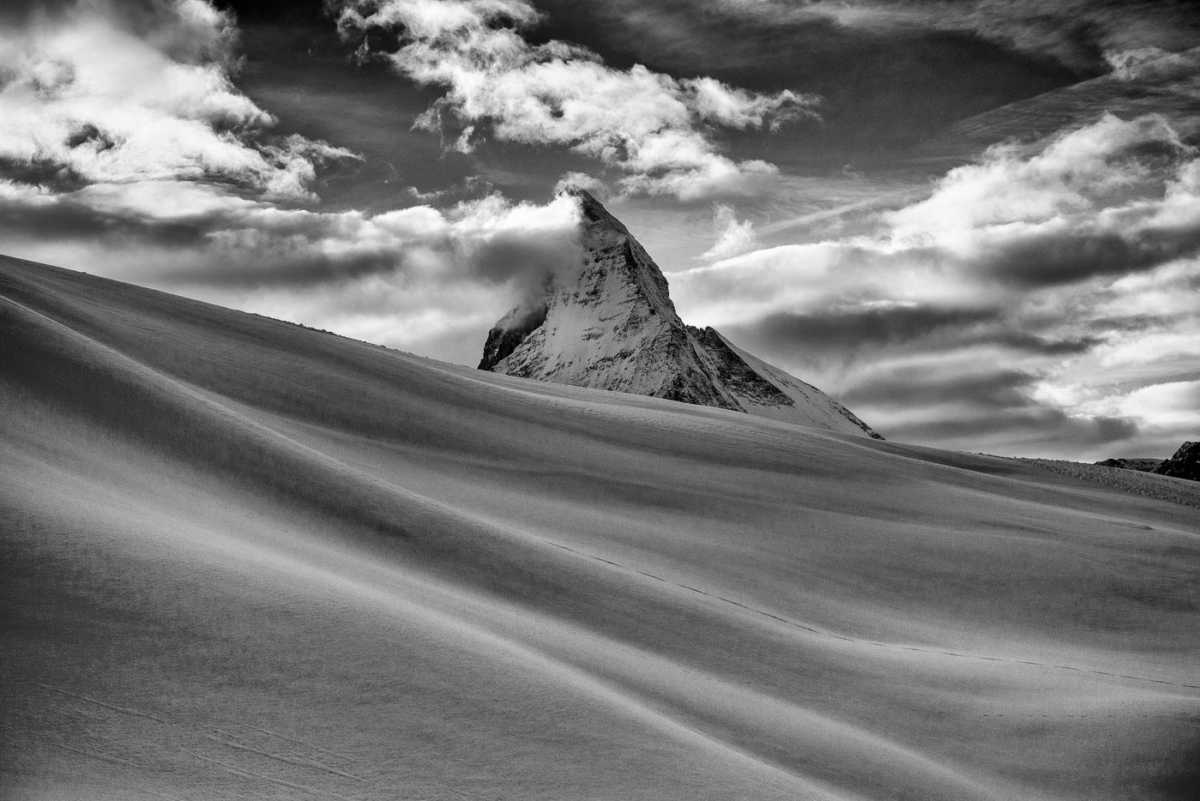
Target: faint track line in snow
{"type": "Point", "coordinates": [873, 643]}
{"type": "Point", "coordinates": [285, 737]}
{"type": "Point", "coordinates": [91, 754]}
{"type": "Point", "coordinates": [229, 741]}
{"type": "Point", "coordinates": [122, 709]}
{"type": "Point", "coordinates": [298, 762]}
{"type": "Point", "coordinates": [238, 771]}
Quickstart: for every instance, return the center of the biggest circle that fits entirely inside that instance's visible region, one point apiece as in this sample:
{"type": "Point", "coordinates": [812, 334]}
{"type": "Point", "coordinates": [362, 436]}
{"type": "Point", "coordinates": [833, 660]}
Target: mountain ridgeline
{"type": "Point", "coordinates": [609, 323]}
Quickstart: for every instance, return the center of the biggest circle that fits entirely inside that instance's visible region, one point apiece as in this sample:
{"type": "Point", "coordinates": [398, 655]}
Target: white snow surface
{"type": "Point", "coordinates": [610, 324]}
{"type": "Point", "coordinates": [241, 559]}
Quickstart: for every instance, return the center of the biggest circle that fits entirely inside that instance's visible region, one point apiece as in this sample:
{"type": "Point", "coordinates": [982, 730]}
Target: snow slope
{"type": "Point", "coordinates": [609, 323]}
{"type": "Point", "coordinates": [246, 560]}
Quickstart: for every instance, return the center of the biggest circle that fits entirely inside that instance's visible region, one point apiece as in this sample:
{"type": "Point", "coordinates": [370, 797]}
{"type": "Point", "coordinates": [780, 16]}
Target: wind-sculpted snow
{"type": "Point", "coordinates": [247, 560]}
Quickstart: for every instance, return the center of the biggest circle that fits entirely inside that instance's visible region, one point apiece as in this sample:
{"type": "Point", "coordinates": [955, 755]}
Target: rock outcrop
{"type": "Point", "coordinates": [609, 323]}
{"type": "Point", "coordinates": [1184, 464]}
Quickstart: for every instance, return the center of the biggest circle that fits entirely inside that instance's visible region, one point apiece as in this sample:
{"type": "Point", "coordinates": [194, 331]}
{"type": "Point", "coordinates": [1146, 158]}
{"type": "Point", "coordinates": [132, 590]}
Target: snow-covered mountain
{"type": "Point", "coordinates": [608, 323]}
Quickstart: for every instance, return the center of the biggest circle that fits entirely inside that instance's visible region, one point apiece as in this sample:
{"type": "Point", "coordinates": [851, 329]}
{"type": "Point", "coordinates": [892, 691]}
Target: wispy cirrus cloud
{"type": "Point", "coordinates": [655, 129]}
{"type": "Point", "coordinates": [1082, 34]}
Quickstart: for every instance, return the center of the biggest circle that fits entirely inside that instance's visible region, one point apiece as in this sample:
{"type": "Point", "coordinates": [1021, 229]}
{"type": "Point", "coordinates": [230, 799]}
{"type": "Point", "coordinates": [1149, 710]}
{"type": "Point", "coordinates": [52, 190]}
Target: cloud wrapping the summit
{"type": "Point", "coordinates": [1043, 297]}
{"type": "Point", "coordinates": [652, 127]}
{"type": "Point", "coordinates": [122, 126]}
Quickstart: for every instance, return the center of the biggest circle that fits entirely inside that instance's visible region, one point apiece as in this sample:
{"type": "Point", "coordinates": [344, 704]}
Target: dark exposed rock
{"type": "Point", "coordinates": [1184, 464]}
{"type": "Point", "coordinates": [504, 338]}
{"type": "Point", "coordinates": [609, 323]}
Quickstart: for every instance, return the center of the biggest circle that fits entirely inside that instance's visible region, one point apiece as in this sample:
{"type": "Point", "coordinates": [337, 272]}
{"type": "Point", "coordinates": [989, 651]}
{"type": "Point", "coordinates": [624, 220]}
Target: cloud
{"type": "Point", "coordinates": [1077, 33]}
{"type": "Point", "coordinates": [909, 386]}
{"type": "Point", "coordinates": [966, 402]}
{"type": "Point", "coordinates": [1039, 299]}
{"type": "Point", "coordinates": [1153, 64]}
{"type": "Point", "coordinates": [118, 94]}
{"type": "Point", "coordinates": [1173, 403]}
{"type": "Point", "coordinates": [843, 332]}
{"type": "Point", "coordinates": [1069, 268]}
{"type": "Point", "coordinates": [654, 128]}
{"type": "Point", "coordinates": [127, 150]}
{"type": "Point", "coordinates": [734, 237]}
{"type": "Point", "coordinates": [223, 242]}
{"type": "Point", "coordinates": [422, 279]}
{"type": "Point", "coordinates": [1113, 197]}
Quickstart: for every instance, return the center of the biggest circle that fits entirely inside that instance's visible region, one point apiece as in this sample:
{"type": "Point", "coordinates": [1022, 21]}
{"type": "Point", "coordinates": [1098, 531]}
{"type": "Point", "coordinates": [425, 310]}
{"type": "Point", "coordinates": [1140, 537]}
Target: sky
{"type": "Point", "coordinates": [977, 223]}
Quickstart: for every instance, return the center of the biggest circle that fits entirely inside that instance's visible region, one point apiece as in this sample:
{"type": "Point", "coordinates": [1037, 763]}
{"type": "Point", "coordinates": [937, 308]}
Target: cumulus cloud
{"type": "Point", "coordinates": [654, 128]}
{"type": "Point", "coordinates": [119, 94]}
{"type": "Point", "coordinates": [1108, 198]}
{"type": "Point", "coordinates": [1070, 268]}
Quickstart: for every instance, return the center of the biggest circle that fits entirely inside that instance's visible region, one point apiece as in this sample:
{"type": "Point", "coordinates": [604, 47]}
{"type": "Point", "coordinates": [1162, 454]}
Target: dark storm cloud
{"type": "Point", "coordinates": [1051, 428]}
{"type": "Point", "coordinates": [972, 403]}
{"type": "Point", "coordinates": [847, 331]}
{"type": "Point", "coordinates": [861, 335]}
{"type": "Point", "coordinates": [63, 219]}
{"type": "Point", "coordinates": [1015, 338]}
{"type": "Point", "coordinates": [911, 387]}
{"type": "Point", "coordinates": [45, 173]}
{"type": "Point", "coordinates": [1066, 257]}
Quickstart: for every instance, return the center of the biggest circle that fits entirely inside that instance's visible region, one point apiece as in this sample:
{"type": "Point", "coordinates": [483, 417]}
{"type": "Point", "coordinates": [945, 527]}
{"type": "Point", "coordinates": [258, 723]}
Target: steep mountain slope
{"type": "Point", "coordinates": [240, 559]}
{"type": "Point", "coordinates": [609, 323]}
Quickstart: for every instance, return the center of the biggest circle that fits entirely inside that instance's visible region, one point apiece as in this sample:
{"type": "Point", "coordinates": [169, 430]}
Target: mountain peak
{"type": "Point", "coordinates": [591, 208]}
{"type": "Point", "coordinates": [608, 323]}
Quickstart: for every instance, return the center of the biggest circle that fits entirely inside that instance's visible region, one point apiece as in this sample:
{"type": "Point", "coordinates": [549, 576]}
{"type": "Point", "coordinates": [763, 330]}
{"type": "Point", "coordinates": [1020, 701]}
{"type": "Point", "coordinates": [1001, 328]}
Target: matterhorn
{"type": "Point", "coordinates": [608, 323]}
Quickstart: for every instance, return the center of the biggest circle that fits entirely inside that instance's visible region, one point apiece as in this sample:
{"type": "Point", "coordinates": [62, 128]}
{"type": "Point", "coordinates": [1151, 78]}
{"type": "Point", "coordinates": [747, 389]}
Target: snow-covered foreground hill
{"type": "Point", "coordinates": [246, 560]}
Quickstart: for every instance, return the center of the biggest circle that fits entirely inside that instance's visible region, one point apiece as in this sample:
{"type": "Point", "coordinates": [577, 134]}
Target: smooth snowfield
{"type": "Point", "coordinates": [246, 560]}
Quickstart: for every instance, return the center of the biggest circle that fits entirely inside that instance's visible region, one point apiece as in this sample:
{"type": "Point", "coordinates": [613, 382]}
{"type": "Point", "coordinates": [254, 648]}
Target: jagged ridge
{"type": "Point", "coordinates": [609, 323]}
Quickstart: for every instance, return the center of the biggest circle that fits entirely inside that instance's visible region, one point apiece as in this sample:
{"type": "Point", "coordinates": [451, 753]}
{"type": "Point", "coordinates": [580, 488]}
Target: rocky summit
{"type": "Point", "coordinates": [609, 323]}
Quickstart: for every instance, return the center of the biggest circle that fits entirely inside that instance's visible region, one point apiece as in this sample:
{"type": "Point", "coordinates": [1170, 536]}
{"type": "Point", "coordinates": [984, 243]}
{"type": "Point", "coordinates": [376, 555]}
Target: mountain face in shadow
{"type": "Point", "coordinates": [609, 323]}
